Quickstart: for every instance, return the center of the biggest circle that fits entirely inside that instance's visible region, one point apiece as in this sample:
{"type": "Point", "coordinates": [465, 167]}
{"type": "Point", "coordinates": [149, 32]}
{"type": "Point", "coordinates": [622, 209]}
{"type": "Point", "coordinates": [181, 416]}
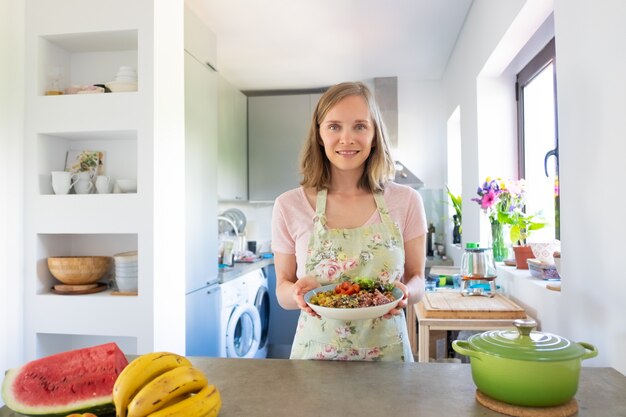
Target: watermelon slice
{"type": "Point", "coordinates": [76, 381]}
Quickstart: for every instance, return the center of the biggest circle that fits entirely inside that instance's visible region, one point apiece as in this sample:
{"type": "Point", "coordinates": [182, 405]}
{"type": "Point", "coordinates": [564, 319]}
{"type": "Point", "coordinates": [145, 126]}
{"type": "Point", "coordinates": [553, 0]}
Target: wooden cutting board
{"type": "Point", "coordinates": [452, 305]}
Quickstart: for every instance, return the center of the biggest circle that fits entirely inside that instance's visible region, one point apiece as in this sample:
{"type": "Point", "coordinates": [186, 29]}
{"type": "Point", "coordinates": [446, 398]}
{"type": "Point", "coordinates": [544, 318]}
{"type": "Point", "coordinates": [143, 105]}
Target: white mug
{"type": "Point", "coordinates": [61, 182]}
{"type": "Point", "coordinates": [83, 184]}
{"type": "Point", "coordinates": [103, 184]}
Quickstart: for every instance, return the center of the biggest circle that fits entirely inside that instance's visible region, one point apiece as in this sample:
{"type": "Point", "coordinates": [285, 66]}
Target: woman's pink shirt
{"type": "Point", "coordinates": [292, 219]}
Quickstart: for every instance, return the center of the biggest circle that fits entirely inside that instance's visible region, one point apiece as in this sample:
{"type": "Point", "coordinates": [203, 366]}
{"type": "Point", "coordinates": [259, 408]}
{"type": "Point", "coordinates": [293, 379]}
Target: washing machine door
{"type": "Point", "coordinates": [243, 332]}
{"type": "Point", "coordinates": [262, 304]}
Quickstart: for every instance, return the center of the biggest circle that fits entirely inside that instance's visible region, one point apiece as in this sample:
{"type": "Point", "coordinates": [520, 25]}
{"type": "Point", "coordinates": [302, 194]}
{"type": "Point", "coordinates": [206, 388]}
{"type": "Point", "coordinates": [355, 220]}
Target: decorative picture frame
{"type": "Point", "coordinates": [85, 161]}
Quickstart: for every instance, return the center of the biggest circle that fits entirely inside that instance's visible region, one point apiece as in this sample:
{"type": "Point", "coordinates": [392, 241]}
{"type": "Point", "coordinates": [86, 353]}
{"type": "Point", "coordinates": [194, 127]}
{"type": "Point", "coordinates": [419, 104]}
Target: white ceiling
{"type": "Point", "coordinates": [291, 44]}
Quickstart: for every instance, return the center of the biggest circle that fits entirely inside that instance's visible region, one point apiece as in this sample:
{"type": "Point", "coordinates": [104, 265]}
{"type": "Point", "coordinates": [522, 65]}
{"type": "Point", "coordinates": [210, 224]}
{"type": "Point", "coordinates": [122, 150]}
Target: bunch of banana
{"type": "Point", "coordinates": [164, 384]}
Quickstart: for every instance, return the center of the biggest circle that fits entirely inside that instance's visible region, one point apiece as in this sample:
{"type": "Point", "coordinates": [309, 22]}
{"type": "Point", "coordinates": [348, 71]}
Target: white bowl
{"type": "Point", "coordinates": [351, 313]}
{"type": "Point", "coordinates": [121, 87]}
{"type": "Point", "coordinates": [126, 284]}
{"type": "Point", "coordinates": [543, 250]}
{"type": "Point", "coordinates": [126, 257]}
{"type": "Point", "coordinates": [126, 79]}
{"type": "Point", "coordinates": [126, 71]}
{"type": "Point", "coordinates": [127, 185]}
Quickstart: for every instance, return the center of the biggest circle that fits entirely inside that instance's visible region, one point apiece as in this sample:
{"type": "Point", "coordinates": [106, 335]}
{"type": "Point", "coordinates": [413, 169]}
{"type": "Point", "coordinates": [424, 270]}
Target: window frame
{"type": "Point", "coordinates": [537, 64]}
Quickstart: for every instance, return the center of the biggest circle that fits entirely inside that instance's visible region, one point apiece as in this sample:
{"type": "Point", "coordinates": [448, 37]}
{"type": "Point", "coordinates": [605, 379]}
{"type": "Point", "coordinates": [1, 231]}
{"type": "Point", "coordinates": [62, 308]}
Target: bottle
{"type": "Point", "coordinates": [430, 241]}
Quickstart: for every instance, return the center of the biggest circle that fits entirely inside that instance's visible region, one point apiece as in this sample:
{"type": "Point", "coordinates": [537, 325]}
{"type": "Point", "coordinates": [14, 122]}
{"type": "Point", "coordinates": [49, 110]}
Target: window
{"type": "Point", "coordinates": [538, 148]}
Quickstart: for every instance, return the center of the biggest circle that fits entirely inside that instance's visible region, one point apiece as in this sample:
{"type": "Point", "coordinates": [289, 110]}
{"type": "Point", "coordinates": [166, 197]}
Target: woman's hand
{"type": "Point", "coordinates": [300, 288]}
{"type": "Point", "coordinates": [403, 302]}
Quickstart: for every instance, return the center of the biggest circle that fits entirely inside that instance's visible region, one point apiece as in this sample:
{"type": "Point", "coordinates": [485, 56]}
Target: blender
{"type": "Point", "coordinates": [478, 271]}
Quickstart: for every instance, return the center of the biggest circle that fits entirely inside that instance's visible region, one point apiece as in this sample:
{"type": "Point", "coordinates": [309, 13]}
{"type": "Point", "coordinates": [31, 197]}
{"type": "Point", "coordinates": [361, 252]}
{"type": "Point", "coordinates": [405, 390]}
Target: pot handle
{"type": "Point", "coordinates": [592, 350]}
{"type": "Point", "coordinates": [464, 348]}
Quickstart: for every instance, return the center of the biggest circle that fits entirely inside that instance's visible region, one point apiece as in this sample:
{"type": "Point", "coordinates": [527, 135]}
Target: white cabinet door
{"type": "Point", "coordinates": [201, 91]}
{"type": "Point", "coordinates": [232, 144]}
{"type": "Point", "coordinates": [277, 129]}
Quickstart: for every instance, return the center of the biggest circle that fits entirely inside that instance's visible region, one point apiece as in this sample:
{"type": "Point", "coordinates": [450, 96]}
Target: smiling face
{"type": "Point", "coordinates": [347, 133]}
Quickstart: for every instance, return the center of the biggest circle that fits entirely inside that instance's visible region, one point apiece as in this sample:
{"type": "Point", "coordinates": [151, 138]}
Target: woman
{"type": "Point", "coordinates": [345, 221]}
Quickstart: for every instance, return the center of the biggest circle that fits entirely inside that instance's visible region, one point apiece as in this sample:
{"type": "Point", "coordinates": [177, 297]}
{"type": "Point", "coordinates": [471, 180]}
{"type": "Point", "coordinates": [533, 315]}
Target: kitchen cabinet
{"type": "Point", "coordinates": [141, 136]}
{"type": "Point", "coordinates": [232, 143]}
{"type": "Point", "coordinates": [201, 86]}
{"type": "Point", "coordinates": [277, 128]}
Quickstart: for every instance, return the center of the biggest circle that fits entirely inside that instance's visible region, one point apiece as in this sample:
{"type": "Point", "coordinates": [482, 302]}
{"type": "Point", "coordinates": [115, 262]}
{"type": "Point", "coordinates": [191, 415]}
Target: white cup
{"type": "Point", "coordinates": [61, 182]}
{"type": "Point", "coordinates": [83, 183]}
{"type": "Point", "coordinates": [103, 184]}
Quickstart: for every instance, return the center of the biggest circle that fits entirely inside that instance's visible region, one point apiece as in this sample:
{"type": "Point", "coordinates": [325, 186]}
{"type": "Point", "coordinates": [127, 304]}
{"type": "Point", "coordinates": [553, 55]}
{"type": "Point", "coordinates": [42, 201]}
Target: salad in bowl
{"type": "Point", "coordinates": [355, 299]}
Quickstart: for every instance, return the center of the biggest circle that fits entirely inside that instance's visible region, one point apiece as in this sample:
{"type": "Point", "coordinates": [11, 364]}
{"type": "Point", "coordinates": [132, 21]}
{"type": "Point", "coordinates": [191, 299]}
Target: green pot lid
{"type": "Point", "coordinates": [525, 344]}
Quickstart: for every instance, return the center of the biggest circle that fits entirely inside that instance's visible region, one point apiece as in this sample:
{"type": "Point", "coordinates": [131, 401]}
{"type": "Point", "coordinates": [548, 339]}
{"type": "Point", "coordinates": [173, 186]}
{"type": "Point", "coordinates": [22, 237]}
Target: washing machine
{"type": "Point", "coordinates": [258, 295]}
{"type": "Point", "coordinates": [240, 323]}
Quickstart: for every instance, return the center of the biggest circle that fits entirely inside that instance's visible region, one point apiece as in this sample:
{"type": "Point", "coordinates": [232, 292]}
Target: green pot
{"type": "Point", "coordinates": [523, 367]}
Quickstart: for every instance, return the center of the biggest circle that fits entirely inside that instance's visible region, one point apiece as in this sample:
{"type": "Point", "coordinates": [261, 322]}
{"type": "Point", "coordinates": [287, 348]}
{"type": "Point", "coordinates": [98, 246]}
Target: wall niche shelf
{"type": "Point", "coordinates": [118, 147]}
{"type": "Point", "coordinates": [84, 58]}
{"type": "Point", "coordinates": [50, 245]}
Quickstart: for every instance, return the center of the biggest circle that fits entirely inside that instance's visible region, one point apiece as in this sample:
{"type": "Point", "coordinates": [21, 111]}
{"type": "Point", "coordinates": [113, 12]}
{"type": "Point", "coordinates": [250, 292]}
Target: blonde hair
{"type": "Point", "coordinates": [314, 164]}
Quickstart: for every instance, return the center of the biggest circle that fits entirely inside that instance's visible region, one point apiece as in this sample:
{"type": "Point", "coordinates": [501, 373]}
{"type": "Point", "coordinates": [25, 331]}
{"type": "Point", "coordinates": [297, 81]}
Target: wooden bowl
{"type": "Point", "coordinates": [79, 270]}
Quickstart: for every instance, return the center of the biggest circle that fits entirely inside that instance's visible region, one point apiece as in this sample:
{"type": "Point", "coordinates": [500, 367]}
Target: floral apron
{"type": "Point", "coordinates": [372, 251]}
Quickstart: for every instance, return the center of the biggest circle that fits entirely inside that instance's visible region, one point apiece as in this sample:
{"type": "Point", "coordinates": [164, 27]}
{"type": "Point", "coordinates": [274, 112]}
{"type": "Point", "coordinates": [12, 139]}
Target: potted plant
{"type": "Point", "coordinates": [522, 225]}
{"type": "Point", "coordinates": [457, 218]}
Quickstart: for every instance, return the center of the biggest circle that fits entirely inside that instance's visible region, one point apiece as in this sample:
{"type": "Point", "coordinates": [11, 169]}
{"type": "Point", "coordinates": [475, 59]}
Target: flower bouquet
{"type": "Point", "coordinates": [504, 201]}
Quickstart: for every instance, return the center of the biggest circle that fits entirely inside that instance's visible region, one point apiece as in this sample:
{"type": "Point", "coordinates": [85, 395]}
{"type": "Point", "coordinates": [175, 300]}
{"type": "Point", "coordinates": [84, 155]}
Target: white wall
{"type": "Point", "coordinates": [591, 68]}
{"type": "Point", "coordinates": [591, 63]}
{"type": "Point", "coordinates": [11, 169]}
{"type": "Point", "coordinates": [421, 136]}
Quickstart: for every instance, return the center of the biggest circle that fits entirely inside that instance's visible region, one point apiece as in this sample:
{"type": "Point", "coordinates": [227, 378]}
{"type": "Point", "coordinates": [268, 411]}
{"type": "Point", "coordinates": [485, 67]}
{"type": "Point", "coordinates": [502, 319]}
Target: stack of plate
{"type": "Point", "coordinates": [126, 276]}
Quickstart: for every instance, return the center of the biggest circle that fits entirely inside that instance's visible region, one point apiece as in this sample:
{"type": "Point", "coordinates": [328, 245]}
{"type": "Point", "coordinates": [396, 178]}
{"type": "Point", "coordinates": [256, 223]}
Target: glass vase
{"type": "Point", "coordinates": [499, 249]}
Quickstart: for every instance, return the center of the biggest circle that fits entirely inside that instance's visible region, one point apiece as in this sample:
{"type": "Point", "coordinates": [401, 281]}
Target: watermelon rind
{"type": "Point", "coordinates": [101, 406]}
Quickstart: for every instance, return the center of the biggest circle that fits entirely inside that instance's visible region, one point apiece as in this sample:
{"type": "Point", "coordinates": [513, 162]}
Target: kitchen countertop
{"type": "Point", "coordinates": [241, 268]}
{"type": "Point", "coordinates": [288, 388]}
{"type": "Point", "coordinates": [227, 274]}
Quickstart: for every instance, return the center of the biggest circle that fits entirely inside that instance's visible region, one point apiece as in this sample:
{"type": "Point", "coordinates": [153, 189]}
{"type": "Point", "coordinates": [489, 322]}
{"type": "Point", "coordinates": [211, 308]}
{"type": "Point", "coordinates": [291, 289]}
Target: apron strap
{"type": "Point", "coordinates": [320, 206]}
{"type": "Point", "coordinates": [385, 217]}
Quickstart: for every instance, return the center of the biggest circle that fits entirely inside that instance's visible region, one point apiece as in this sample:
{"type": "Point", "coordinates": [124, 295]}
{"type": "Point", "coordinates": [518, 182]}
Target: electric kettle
{"type": "Point", "coordinates": [478, 271]}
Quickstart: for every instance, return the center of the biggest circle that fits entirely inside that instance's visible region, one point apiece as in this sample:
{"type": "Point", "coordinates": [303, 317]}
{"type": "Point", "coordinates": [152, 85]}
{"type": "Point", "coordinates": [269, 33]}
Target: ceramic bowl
{"type": "Point", "coordinates": [127, 284]}
{"type": "Point", "coordinates": [79, 270]}
{"type": "Point", "coordinates": [126, 269]}
{"type": "Point", "coordinates": [543, 250]}
{"type": "Point", "coordinates": [130, 257]}
{"type": "Point", "coordinates": [127, 185]}
{"type": "Point", "coordinates": [351, 313]}
{"type": "Point", "coordinates": [121, 87]}
{"type": "Point", "coordinates": [126, 79]}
